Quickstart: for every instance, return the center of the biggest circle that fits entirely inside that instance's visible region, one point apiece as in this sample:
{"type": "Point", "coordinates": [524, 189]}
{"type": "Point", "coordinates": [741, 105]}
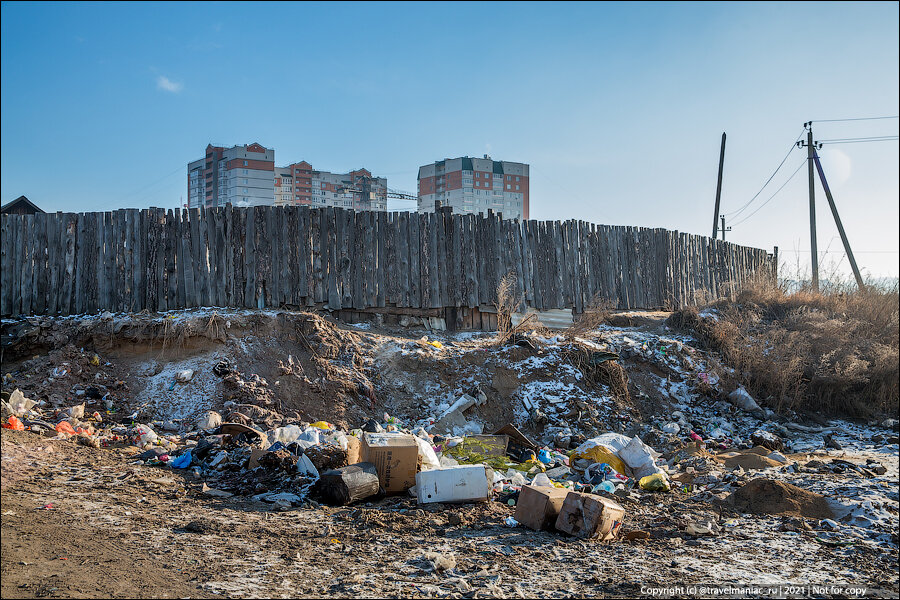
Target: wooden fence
{"type": "Point", "coordinates": [156, 259]}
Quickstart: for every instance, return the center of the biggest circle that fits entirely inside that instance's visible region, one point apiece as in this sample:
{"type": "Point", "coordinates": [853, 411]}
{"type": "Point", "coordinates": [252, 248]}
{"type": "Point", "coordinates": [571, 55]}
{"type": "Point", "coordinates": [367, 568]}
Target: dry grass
{"type": "Point", "coordinates": [509, 301]}
{"type": "Point", "coordinates": [595, 314]}
{"type": "Point", "coordinates": [833, 351]}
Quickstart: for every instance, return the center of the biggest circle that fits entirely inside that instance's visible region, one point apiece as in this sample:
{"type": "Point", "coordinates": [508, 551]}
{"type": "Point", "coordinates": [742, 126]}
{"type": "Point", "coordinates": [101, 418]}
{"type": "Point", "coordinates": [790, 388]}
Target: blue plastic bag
{"type": "Point", "coordinates": [182, 462]}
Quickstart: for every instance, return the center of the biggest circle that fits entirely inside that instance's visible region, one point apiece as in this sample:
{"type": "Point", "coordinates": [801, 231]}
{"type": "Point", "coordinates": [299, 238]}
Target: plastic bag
{"type": "Point", "coordinates": [598, 453]}
{"type": "Point", "coordinates": [541, 480]}
{"type": "Point", "coordinates": [636, 453]}
{"type": "Point", "coordinates": [182, 462]}
{"type": "Point", "coordinates": [654, 483]}
{"type": "Point", "coordinates": [285, 435]}
{"type": "Point", "coordinates": [427, 455]}
{"type": "Point", "coordinates": [14, 423]}
{"type": "Point", "coordinates": [65, 427]}
{"type": "Point", "coordinates": [143, 435]}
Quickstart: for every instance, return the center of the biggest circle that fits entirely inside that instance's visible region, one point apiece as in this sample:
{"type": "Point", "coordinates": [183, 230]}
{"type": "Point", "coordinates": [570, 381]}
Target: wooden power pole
{"type": "Point", "coordinates": [814, 251]}
{"type": "Point", "coordinates": [837, 221]}
{"type": "Point", "coordinates": [719, 188]}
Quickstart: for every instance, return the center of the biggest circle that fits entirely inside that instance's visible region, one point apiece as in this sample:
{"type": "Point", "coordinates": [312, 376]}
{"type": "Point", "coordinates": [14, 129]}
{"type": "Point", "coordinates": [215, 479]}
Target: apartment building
{"type": "Point", "coordinates": [247, 176]}
{"type": "Point", "coordinates": [358, 189]}
{"type": "Point", "coordinates": [241, 175]}
{"type": "Point", "coordinates": [474, 185]}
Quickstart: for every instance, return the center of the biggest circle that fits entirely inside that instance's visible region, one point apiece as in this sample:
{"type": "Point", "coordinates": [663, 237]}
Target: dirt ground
{"type": "Point", "coordinates": [79, 521]}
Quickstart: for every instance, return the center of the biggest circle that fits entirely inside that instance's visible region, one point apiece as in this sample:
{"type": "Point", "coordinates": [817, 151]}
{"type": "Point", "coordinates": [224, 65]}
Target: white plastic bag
{"type": "Point", "coordinates": [426, 453]}
{"type": "Point", "coordinates": [541, 480]}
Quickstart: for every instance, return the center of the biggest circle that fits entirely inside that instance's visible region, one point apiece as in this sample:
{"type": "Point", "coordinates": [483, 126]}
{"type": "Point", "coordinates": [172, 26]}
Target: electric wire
{"type": "Point", "coordinates": [800, 166]}
{"type": "Point", "coordinates": [855, 119]}
{"type": "Point", "coordinates": [781, 164]}
{"type": "Point", "coordinates": [882, 138]}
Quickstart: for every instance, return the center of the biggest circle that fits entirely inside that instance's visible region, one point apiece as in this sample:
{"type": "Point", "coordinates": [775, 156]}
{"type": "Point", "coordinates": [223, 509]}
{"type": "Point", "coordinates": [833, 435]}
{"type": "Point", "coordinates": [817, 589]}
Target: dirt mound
{"type": "Point", "coordinates": [747, 461]}
{"type": "Point", "coordinates": [767, 496]}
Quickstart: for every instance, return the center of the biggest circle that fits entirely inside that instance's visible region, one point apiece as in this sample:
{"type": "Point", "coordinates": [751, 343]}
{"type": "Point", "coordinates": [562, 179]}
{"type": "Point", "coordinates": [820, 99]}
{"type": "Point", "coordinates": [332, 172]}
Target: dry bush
{"type": "Point", "coordinates": [832, 351]}
{"type": "Point", "coordinates": [595, 314]}
{"type": "Point", "coordinates": [599, 370]}
{"type": "Point", "coordinates": [509, 301]}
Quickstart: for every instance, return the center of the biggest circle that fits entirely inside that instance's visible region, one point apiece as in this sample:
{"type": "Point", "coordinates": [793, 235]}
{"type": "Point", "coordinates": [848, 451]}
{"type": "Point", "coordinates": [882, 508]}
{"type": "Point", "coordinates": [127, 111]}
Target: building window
{"type": "Point", "coordinates": [244, 182]}
{"type": "Point", "coordinates": [245, 164]}
{"type": "Point", "coordinates": [508, 186]}
{"type": "Point", "coordinates": [517, 188]}
{"type": "Point", "coordinates": [245, 190]}
{"type": "Point", "coordinates": [517, 178]}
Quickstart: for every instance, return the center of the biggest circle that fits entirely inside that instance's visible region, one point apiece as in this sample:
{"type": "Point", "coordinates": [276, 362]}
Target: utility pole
{"type": "Point", "coordinates": [719, 188]}
{"type": "Point", "coordinates": [724, 229]}
{"type": "Point", "coordinates": [814, 251]}
{"type": "Point", "coordinates": [837, 221]}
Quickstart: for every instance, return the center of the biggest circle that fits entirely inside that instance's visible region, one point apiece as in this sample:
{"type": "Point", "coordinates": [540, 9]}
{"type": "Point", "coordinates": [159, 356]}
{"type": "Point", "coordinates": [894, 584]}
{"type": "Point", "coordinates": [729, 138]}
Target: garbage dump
{"type": "Point", "coordinates": [540, 441]}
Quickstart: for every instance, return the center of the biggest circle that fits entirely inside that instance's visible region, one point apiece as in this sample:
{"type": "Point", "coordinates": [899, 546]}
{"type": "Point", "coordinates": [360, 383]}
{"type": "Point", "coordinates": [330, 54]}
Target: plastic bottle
{"type": "Point", "coordinates": [607, 486]}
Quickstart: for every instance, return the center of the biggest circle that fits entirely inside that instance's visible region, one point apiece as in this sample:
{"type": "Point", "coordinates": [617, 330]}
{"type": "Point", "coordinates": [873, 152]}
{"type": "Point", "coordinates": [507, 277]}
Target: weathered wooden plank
{"type": "Point", "coordinates": [178, 244]}
{"type": "Point", "coordinates": [334, 283]}
{"type": "Point", "coordinates": [380, 280]}
{"type": "Point", "coordinates": [248, 216]}
{"type": "Point", "coordinates": [444, 268]}
{"type": "Point", "coordinates": [264, 226]}
{"type": "Point", "coordinates": [187, 259]}
{"type": "Point", "coordinates": [285, 252]}
{"type": "Point", "coordinates": [159, 221]}
{"type": "Point", "coordinates": [42, 271]}
{"type": "Point", "coordinates": [415, 267]}
{"type": "Point", "coordinates": [470, 271]}
{"type": "Point", "coordinates": [17, 224]}
{"type": "Point", "coordinates": [171, 275]}
{"type": "Point", "coordinates": [210, 217]}
{"type": "Point", "coordinates": [434, 274]}
{"type": "Point", "coordinates": [318, 252]}
{"type": "Point", "coordinates": [357, 266]}
{"type": "Point", "coordinates": [25, 266]}
{"type": "Point", "coordinates": [5, 266]}
{"type": "Point", "coordinates": [102, 261]}
{"type": "Point", "coordinates": [207, 273]}
{"type": "Point", "coordinates": [139, 258]}
{"type": "Point", "coordinates": [122, 251]}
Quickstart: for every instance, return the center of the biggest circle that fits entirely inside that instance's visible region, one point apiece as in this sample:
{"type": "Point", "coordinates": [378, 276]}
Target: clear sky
{"type": "Point", "coordinates": [618, 108]}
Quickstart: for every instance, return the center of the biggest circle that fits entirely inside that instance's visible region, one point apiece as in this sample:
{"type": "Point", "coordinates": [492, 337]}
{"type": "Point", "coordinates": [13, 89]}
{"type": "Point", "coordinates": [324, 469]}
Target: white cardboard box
{"type": "Point", "coordinates": [464, 483]}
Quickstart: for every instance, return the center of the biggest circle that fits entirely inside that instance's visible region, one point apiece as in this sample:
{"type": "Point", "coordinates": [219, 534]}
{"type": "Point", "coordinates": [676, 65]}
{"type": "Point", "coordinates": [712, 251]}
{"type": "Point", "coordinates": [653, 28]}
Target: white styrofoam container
{"type": "Point", "coordinates": [464, 483]}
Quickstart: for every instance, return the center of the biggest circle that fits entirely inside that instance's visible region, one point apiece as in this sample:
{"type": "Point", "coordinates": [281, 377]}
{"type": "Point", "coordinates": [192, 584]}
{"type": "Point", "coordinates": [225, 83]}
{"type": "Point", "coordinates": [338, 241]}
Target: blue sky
{"type": "Point", "coordinates": [618, 108]}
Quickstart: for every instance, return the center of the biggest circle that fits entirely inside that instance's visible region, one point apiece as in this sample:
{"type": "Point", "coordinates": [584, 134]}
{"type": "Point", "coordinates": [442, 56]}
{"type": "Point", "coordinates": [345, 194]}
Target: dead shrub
{"type": "Point", "coordinates": [833, 351]}
{"type": "Point", "coordinates": [511, 300]}
{"type": "Point", "coordinates": [595, 314]}
{"type": "Point", "coordinates": [600, 368]}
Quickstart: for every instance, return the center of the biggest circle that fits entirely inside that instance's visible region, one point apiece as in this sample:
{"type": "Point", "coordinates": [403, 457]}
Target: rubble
{"type": "Point", "coordinates": [676, 459]}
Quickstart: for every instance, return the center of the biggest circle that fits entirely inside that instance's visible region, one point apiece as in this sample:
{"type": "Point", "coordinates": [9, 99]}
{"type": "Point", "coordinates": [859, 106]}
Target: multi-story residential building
{"type": "Point", "coordinates": [358, 189]}
{"type": "Point", "coordinates": [241, 175]}
{"type": "Point", "coordinates": [246, 176]}
{"type": "Point", "coordinates": [474, 185]}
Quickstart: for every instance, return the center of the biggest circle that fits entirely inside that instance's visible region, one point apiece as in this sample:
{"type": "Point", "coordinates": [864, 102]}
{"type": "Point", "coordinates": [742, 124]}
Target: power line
{"type": "Point", "coordinates": [800, 166]}
{"type": "Point", "coordinates": [781, 164]}
{"type": "Point", "coordinates": [881, 138]}
{"type": "Point", "coordinates": [855, 119]}
{"type": "Point", "coordinates": [854, 252]}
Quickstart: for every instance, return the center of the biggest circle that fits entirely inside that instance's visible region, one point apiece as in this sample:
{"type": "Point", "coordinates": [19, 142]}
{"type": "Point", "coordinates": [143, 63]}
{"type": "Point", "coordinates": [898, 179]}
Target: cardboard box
{"type": "Point", "coordinates": [590, 517]}
{"type": "Point", "coordinates": [396, 459]}
{"type": "Point", "coordinates": [463, 483]}
{"type": "Point", "coordinates": [538, 506]}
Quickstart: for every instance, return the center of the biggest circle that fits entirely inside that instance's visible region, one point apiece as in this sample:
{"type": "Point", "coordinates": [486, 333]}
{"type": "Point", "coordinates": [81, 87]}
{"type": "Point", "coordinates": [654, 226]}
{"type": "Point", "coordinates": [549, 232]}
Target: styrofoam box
{"type": "Point", "coordinates": [464, 483]}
